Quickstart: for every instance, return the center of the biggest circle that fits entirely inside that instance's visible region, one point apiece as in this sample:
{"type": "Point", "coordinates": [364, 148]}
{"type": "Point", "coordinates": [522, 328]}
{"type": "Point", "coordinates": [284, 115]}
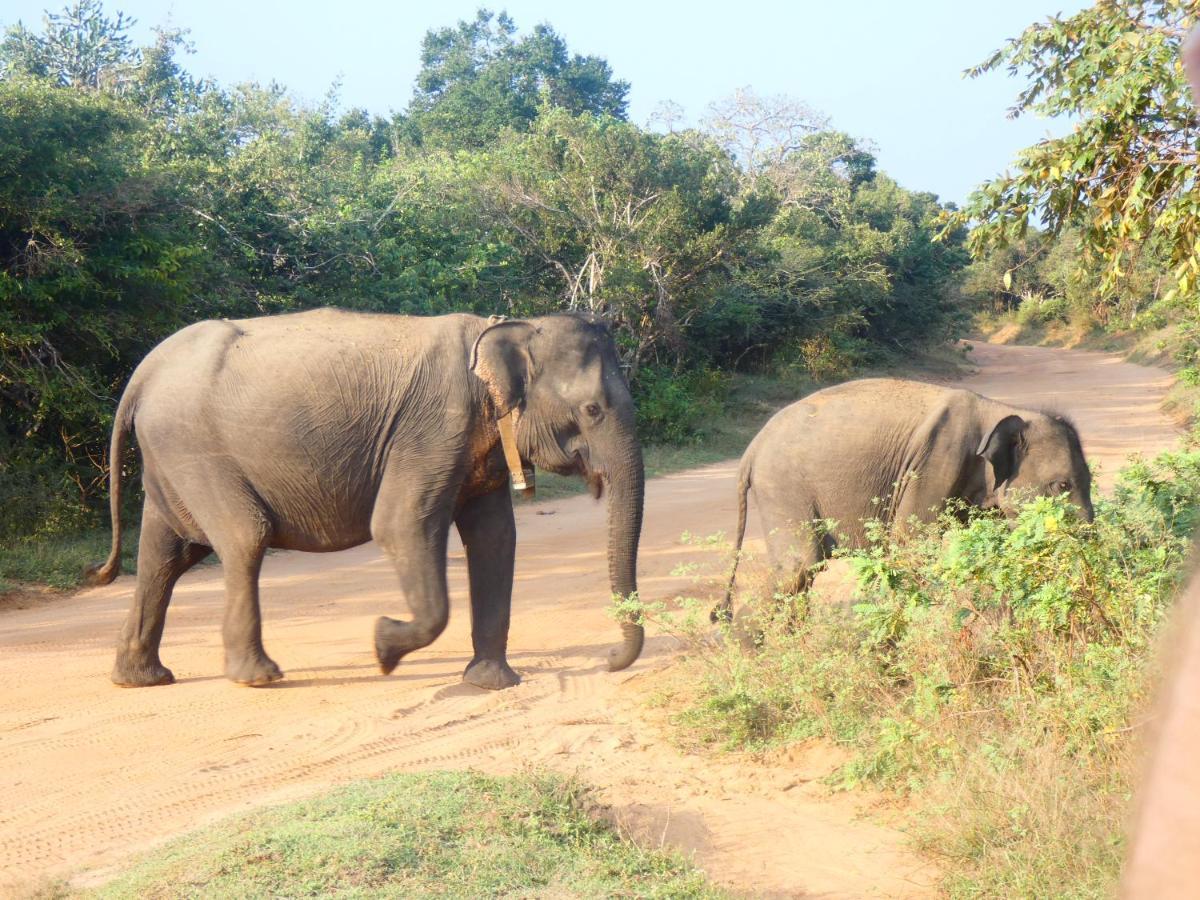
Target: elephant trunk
{"type": "Point", "coordinates": [626, 486]}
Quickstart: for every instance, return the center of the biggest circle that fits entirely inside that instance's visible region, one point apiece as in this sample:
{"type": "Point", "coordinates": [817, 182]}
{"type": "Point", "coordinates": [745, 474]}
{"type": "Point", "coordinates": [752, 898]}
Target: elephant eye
{"type": "Point", "coordinates": [592, 410]}
{"type": "Point", "coordinates": [1064, 487]}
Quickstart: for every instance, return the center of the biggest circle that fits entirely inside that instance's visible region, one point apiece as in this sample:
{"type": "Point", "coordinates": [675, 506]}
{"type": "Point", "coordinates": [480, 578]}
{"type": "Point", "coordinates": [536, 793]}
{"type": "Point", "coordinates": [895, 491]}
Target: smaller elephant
{"type": "Point", "coordinates": [892, 449]}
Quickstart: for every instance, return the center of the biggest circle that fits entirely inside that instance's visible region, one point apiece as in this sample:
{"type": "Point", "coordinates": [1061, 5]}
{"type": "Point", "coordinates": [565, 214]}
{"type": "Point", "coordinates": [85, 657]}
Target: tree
{"type": "Point", "coordinates": [79, 47]}
{"type": "Point", "coordinates": [1127, 170]}
{"type": "Point", "coordinates": [96, 264]}
{"type": "Point", "coordinates": [630, 224]}
{"type": "Point", "coordinates": [761, 132]}
{"type": "Point", "coordinates": [479, 78]}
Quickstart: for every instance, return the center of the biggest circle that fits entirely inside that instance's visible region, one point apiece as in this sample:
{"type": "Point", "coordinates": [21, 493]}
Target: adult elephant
{"type": "Point", "coordinates": [891, 449]}
{"type": "Point", "coordinates": [319, 431]}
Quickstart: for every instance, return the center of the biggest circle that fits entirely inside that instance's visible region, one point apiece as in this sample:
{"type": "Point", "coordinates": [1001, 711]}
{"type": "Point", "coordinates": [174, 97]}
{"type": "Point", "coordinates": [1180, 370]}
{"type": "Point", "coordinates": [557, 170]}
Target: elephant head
{"type": "Point", "coordinates": [1039, 454]}
{"type": "Point", "coordinates": [575, 415]}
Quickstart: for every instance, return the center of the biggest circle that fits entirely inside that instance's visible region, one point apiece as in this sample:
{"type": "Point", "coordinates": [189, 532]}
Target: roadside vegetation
{"type": "Point", "coordinates": [441, 834]}
{"type": "Point", "coordinates": [58, 561]}
{"type": "Point", "coordinates": [995, 672]}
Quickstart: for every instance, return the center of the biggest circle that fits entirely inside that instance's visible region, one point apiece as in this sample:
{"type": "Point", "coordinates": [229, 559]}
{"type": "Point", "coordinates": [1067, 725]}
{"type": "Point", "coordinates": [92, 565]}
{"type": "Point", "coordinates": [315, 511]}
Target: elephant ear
{"type": "Point", "coordinates": [501, 357]}
{"type": "Point", "coordinates": [1002, 449]}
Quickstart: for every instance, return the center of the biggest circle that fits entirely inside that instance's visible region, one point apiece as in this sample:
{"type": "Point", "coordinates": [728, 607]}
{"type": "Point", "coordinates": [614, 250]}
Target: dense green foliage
{"type": "Point", "coordinates": [1126, 171]}
{"type": "Point", "coordinates": [135, 199]}
{"type": "Point", "coordinates": [424, 835]}
{"type": "Point", "coordinates": [479, 78]}
{"type": "Point", "coordinates": [995, 669]}
{"type": "Point", "coordinates": [1044, 279]}
{"type": "Point", "coordinates": [1102, 225]}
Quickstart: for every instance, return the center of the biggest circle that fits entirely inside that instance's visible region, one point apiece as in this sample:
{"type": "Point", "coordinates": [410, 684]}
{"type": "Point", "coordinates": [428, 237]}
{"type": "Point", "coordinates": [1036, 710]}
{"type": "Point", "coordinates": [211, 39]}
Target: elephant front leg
{"type": "Point", "coordinates": [489, 537]}
{"type": "Point", "coordinates": [413, 533]}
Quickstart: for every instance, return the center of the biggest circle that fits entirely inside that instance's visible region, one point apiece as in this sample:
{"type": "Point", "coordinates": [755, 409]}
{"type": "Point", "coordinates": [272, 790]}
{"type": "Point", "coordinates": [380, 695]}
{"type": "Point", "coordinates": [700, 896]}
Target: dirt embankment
{"type": "Point", "coordinates": [91, 774]}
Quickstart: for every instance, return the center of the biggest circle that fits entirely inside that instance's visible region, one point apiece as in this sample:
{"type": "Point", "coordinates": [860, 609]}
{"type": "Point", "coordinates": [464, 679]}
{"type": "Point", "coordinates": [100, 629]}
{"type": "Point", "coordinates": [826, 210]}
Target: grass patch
{"type": "Point", "coordinates": [995, 670]}
{"type": "Point", "coordinates": [1166, 347]}
{"type": "Point", "coordinates": [1143, 344]}
{"type": "Point", "coordinates": [1013, 328]}
{"type": "Point", "coordinates": [445, 834]}
{"type": "Point", "coordinates": [59, 560]}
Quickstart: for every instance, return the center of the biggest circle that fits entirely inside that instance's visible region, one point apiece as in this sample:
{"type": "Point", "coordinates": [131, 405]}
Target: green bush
{"type": "Point", "coordinates": [673, 406]}
{"type": "Point", "coordinates": [993, 668]}
{"type": "Point", "coordinates": [1040, 309]}
{"type": "Point", "coordinates": [39, 499]}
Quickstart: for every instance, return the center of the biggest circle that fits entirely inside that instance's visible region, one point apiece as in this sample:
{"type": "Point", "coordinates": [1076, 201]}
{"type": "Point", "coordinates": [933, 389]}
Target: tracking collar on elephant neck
{"type": "Point", "coordinates": [522, 478]}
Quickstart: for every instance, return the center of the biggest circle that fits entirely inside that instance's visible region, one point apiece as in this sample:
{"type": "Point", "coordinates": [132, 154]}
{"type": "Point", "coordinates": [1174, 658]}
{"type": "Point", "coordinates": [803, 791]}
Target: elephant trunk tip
{"type": "Point", "coordinates": [624, 655]}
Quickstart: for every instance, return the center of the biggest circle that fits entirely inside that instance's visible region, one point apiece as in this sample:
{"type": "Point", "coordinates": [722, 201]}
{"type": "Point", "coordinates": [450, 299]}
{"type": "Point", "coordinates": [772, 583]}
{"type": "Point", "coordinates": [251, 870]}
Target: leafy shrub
{"type": "Point", "coordinates": [36, 500]}
{"type": "Point", "coordinates": [672, 406]}
{"type": "Point", "coordinates": [1041, 309]}
{"type": "Point", "coordinates": [993, 668]}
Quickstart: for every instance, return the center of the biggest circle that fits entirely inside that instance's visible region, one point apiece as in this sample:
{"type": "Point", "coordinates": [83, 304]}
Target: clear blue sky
{"type": "Point", "coordinates": [885, 70]}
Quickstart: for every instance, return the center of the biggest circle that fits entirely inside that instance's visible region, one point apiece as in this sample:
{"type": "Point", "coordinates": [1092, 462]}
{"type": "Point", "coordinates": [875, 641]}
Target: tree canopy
{"type": "Point", "coordinates": [78, 47]}
{"type": "Point", "coordinates": [479, 78]}
{"type": "Point", "coordinates": [1124, 177]}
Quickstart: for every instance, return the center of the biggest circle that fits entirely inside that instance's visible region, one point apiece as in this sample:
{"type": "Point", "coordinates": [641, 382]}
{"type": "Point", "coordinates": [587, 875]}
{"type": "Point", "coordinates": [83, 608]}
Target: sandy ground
{"type": "Point", "coordinates": [90, 773]}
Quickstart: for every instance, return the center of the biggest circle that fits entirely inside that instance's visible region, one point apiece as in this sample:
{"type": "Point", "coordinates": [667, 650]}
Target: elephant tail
{"type": "Point", "coordinates": [104, 573]}
{"type": "Point", "coordinates": [722, 611]}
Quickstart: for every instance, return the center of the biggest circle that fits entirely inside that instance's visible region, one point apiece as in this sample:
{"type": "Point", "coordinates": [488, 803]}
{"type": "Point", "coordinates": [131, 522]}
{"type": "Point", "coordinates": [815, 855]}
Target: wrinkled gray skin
{"type": "Point", "coordinates": [911, 445]}
{"type": "Point", "coordinates": [322, 430]}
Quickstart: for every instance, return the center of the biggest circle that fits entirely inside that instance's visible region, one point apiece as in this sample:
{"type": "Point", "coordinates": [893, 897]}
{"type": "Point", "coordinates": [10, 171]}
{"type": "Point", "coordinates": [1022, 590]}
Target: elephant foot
{"type": "Point", "coordinates": [722, 612]}
{"type": "Point", "coordinates": [394, 640]}
{"type": "Point", "coordinates": [388, 649]}
{"type": "Point", "coordinates": [129, 673]}
{"type": "Point", "coordinates": [491, 674]}
{"type": "Point", "coordinates": [747, 632]}
{"type": "Point", "coordinates": [252, 670]}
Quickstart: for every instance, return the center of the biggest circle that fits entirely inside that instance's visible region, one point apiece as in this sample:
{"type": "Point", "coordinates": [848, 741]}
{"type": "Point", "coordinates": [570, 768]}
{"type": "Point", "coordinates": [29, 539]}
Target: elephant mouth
{"type": "Point", "coordinates": [578, 464]}
{"type": "Point", "coordinates": [574, 458]}
{"type": "Point", "coordinates": [594, 478]}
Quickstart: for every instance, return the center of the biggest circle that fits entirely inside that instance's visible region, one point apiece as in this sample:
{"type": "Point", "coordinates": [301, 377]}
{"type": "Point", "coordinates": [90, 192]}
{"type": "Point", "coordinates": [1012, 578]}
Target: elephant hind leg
{"type": "Point", "coordinates": [163, 556]}
{"type": "Point", "coordinates": [246, 662]}
{"type": "Point", "coordinates": [793, 551]}
{"type": "Point", "coordinates": [794, 546]}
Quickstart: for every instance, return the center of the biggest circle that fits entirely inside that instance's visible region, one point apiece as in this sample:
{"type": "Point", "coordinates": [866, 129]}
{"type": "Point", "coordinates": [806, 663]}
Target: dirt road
{"type": "Point", "coordinates": [90, 774]}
